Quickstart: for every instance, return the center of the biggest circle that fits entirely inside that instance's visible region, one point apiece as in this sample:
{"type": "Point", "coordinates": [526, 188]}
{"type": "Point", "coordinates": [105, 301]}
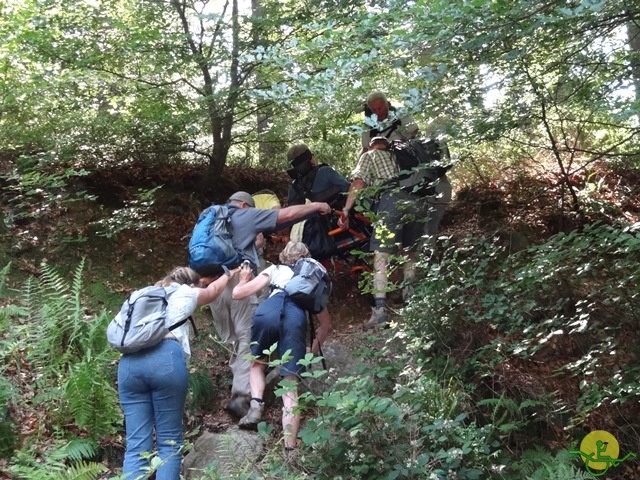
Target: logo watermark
{"type": "Point", "coordinates": [600, 451]}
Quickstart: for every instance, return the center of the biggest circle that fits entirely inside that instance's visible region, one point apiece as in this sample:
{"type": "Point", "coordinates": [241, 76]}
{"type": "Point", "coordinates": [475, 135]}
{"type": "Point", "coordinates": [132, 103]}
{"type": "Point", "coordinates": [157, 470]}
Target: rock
{"type": "Point", "coordinates": [226, 452]}
{"type": "Point", "coordinates": [340, 363]}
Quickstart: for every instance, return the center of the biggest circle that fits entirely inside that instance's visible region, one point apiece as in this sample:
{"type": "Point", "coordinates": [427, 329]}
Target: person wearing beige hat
{"type": "Point", "coordinates": [232, 318]}
{"type": "Point", "coordinates": [313, 181]}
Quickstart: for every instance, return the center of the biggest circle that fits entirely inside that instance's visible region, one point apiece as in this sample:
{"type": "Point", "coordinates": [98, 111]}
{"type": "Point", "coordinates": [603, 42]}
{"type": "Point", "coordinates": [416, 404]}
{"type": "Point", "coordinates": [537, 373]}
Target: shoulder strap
{"type": "Point", "coordinates": [170, 290]}
{"type": "Point", "coordinates": [272, 286]}
{"type": "Point", "coordinates": [374, 132]}
{"type": "Point", "coordinates": [303, 185]}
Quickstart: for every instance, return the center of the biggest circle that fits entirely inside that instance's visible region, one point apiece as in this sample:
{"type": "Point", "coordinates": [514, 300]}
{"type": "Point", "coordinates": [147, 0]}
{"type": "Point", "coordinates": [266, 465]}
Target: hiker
{"type": "Point", "coordinates": [401, 128]}
{"type": "Point", "coordinates": [377, 167]}
{"type": "Point", "coordinates": [279, 320]}
{"type": "Point", "coordinates": [152, 383]}
{"type": "Point", "coordinates": [232, 318]}
{"type": "Point", "coordinates": [266, 200]}
{"type": "Point", "coordinates": [318, 183]}
{"type": "Point", "coordinates": [314, 182]}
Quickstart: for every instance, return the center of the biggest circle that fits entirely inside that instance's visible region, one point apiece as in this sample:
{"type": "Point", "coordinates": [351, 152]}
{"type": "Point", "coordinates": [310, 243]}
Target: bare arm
{"type": "Point", "coordinates": [214, 289]}
{"type": "Point", "coordinates": [356, 184]}
{"type": "Point", "coordinates": [247, 286]}
{"type": "Point", "coordinates": [322, 332]}
{"type": "Point", "coordinates": [295, 212]}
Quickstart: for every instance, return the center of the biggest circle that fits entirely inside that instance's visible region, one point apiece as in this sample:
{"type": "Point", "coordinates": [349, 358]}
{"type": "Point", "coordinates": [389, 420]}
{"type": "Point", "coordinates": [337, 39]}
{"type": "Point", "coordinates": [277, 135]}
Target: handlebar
{"type": "Point", "coordinates": [355, 233]}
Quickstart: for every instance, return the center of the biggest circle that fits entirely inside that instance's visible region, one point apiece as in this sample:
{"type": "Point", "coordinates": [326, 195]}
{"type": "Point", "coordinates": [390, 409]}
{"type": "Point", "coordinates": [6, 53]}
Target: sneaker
{"type": "Point", "coordinates": [239, 405]}
{"type": "Point", "coordinates": [250, 420]}
{"type": "Point", "coordinates": [379, 318]}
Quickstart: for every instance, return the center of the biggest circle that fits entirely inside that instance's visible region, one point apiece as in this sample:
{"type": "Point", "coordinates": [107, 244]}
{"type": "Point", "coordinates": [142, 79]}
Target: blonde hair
{"type": "Point", "coordinates": [293, 251]}
{"type": "Point", "coordinates": [181, 275]}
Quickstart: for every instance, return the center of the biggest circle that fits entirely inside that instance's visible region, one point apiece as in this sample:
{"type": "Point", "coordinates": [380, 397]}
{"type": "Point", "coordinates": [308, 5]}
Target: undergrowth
{"type": "Point", "coordinates": [455, 391]}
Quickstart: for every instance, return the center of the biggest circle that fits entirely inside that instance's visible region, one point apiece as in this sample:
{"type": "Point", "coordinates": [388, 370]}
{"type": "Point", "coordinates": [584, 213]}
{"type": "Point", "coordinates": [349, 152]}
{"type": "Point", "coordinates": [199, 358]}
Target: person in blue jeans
{"type": "Point", "coordinates": [278, 320]}
{"type": "Point", "coordinates": [152, 383]}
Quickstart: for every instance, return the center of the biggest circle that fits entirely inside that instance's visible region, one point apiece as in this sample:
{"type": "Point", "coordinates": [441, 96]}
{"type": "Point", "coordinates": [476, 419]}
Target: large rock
{"type": "Point", "coordinates": [225, 452]}
{"type": "Point", "coordinates": [340, 363]}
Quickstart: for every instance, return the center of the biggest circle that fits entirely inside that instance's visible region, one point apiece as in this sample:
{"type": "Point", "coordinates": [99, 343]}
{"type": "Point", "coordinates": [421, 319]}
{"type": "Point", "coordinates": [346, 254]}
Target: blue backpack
{"type": "Point", "coordinates": [211, 242]}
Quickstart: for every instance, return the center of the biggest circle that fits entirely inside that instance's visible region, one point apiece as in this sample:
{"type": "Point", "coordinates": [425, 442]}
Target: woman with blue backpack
{"type": "Point", "coordinates": [279, 319]}
{"type": "Point", "coordinates": [153, 381]}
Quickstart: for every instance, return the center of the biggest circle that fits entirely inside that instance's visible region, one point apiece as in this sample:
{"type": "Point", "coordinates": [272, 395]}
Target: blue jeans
{"type": "Point", "coordinates": [152, 385]}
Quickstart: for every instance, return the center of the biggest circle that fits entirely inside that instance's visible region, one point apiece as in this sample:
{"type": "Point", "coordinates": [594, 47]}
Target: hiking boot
{"type": "Point", "coordinates": [251, 419]}
{"type": "Point", "coordinates": [239, 405]}
{"type": "Point", "coordinates": [379, 318]}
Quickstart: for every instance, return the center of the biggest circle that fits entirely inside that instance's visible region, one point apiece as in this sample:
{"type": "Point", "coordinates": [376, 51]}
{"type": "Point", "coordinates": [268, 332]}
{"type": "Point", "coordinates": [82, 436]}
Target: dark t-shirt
{"type": "Point", "coordinates": [327, 187]}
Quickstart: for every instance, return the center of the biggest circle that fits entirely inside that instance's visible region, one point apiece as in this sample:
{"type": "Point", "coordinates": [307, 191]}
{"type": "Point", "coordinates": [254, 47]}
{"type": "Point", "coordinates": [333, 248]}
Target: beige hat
{"type": "Point", "coordinates": [295, 151]}
{"type": "Point", "coordinates": [243, 197]}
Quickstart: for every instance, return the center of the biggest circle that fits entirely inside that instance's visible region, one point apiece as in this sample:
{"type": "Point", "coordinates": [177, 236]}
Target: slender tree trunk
{"type": "Point", "coordinates": [633, 35]}
{"type": "Point", "coordinates": [266, 149]}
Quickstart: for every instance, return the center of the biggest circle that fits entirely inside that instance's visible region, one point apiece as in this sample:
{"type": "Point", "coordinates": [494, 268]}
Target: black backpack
{"type": "Point", "coordinates": [304, 176]}
{"type": "Point", "coordinates": [422, 161]}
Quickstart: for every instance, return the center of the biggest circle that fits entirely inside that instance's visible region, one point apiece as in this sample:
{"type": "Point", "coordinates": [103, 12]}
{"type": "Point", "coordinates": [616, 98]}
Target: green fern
{"type": "Point", "coordinates": [540, 464]}
{"type": "Point", "coordinates": [91, 399]}
{"type": "Point", "coordinates": [201, 389]}
{"type": "Point", "coordinates": [3, 275]}
{"type": "Point", "coordinates": [84, 471]}
{"type": "Point", "coordinates": [65, 462]}
{"type": "Point", "coordinates": [79, 449]}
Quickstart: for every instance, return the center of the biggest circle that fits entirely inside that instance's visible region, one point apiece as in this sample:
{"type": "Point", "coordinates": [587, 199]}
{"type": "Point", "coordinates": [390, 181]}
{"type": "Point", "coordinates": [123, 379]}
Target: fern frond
{"type": "Point", "coordinates": [3, 275]}
{"type": "Point", "coordinates": [80, 449]}
{"type": "Point", "coordinates": [91, 399]}
{"type": "Point", "coordinates": [84, 471]}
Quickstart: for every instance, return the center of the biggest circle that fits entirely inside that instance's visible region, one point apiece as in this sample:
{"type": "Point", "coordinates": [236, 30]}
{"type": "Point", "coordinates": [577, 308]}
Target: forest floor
{"type": "Point", "coordinates": [521, 211]}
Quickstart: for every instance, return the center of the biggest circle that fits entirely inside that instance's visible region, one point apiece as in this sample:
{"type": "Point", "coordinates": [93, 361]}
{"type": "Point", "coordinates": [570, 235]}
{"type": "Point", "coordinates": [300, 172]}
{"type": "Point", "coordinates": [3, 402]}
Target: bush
{"type": "Point", "coordinates": [395, 421]}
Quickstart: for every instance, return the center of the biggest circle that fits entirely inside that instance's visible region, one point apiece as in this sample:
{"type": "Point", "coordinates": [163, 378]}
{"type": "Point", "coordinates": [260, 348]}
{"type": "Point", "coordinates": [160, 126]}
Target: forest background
{"type": "Point", "coordinates": [120, 121]}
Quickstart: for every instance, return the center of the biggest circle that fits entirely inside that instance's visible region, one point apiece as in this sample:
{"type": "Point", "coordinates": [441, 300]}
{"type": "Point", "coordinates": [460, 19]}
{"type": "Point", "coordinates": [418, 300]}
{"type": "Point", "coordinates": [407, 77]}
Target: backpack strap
{"type": "Point", "coordinates": [273, 287]}
{"type": "Point", "coordinates": [170, 290]}
{"type": "Point", "coordinates": [374, 132]}
{"type": "Point", "coordinates": [304, 184]}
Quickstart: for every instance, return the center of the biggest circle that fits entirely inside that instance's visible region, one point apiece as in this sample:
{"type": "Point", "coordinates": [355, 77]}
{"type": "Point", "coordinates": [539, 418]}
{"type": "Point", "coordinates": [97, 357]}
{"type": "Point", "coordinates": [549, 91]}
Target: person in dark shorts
{"type": "Point", "coordinates": [278, 320]}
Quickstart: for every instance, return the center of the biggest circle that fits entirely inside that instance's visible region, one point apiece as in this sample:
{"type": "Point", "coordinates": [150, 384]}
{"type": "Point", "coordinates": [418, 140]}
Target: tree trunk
{"type": "Point", "coordinates": [220, 108]}
{"type": "Point", "coordinates": [633, 35]}
{"type": "Point", "coordinates": [266, 149]}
